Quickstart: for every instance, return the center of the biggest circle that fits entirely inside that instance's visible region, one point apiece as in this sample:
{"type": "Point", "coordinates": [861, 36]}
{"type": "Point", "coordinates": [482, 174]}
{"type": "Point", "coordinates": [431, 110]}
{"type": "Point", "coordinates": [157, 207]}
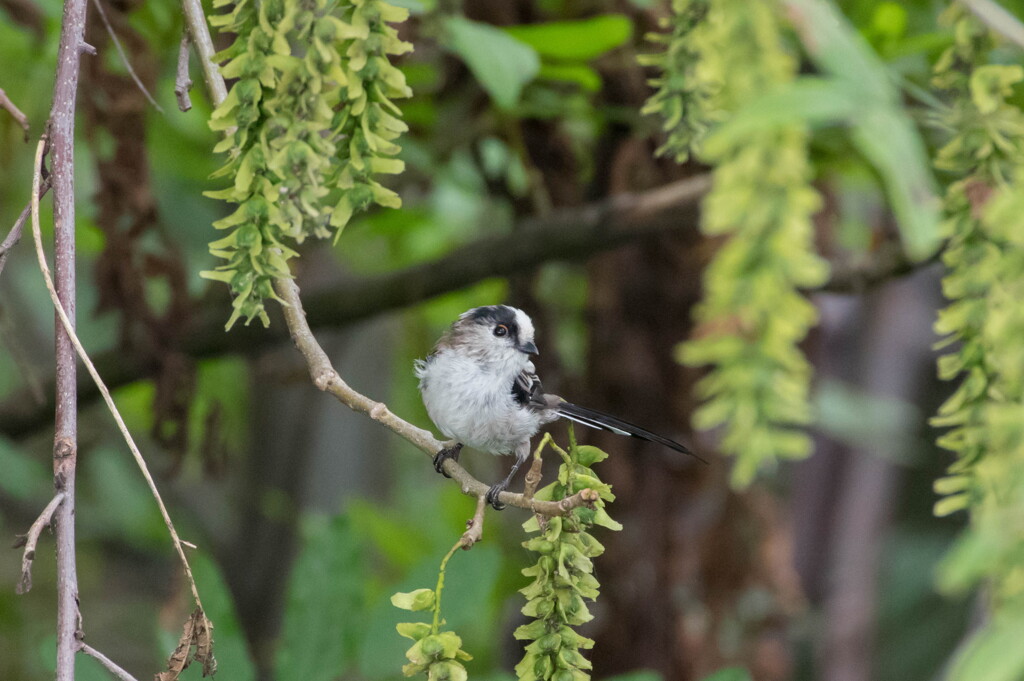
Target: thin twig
{"type": "Point", "coordinates": [475, 525]}
{"type": "Point", "coordinates": [6, 103]}
{"type": "Point", "coordinates": [124, 57]}
{"type": "Point", "coordinates": [199, 33]}
{"type": "Point", "coordinates": [182, 82]}
{"type": "Point", "coordinates": [327, 379]}
{"type": "Point", "coordinates": [66, 322]}
{"type": "Point", "coordinates": [29, 541]}
{"type": "Point", "coordinates": [106, 662]}
{"type": "Point", "coordinates": [533, 477]}
{"type": "Point", "coordinates": [997, 18]}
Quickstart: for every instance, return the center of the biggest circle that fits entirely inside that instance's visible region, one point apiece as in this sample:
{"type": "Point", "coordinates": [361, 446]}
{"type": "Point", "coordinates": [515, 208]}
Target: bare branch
{"type": "Point", "coordinates": [182, 82]}
{"type": "Point", "coordinates": [533, 477]}
{"type": "Point", "coordinates": [475, 525]}
{"type": "Point", "coordinates": [77, 347]}
{"type": "Point", "coordinates": [124, 57]}
{"type": "Point", "coordinates": [111, 666]}
{"type": "Point", "coordinates": [327, 379]}
{"type": "Point", "coordinates": [6, 103]}
{"type": "Point", "coordinates": [997, 18]}
{"type": "Point", "coordinates": [61, 143]}
{"type": "Point", "coordinates": [199, 33]}
{"type": "Point", "coordinates": [564, 235]}
{"type": "Point", "coordinates": [30, 540]}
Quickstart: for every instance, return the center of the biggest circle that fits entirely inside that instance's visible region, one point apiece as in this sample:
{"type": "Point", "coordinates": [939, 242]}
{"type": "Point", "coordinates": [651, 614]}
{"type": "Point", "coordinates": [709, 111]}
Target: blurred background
{"type": "Point", "coordinates": [307, 517]}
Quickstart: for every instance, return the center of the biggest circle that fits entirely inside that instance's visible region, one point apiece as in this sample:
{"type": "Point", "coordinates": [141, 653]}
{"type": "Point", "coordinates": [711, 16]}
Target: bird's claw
{"type": "Point", "coordinates": [492, 496]}
{"type": "Point", "coordinates": [445, 454]}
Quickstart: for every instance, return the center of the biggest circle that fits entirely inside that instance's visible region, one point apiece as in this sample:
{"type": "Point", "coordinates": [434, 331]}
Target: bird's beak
{"type": "Point", "coordinates": [528, 348]}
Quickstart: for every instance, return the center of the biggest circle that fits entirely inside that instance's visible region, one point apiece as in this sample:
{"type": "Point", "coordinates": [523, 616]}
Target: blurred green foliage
{"type": "Point", "coordinates": [985, 156]}
{"type": "Point", "coordinates": [349, 561]}
{"type": "Point", "coordinates": [752, 317]}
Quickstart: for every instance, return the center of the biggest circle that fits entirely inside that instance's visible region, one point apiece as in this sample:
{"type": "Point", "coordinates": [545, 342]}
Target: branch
{"type": "Point", "coordinates": [6, 103]}
{"type": "Point", "coordinates": [475, 525]}
{"type": "Point", "coordinates": [124, 57]}
{"type": "Point", "coordinates": [564, 235]}
{"type": "Point", "coordinates": [997, 18]}
{"type": "Point", "coordinates": [106, 662]}
{"type": "Point", "coordinates": [68, 327]}
{"type": "Point", "coordinates": [61, 131]}
{"type": "Point", "coordinates": [199, 33]}
{"type": "Point", "coordinates": [30, 540]}
{"type": "Point", "coordinates": [327, 379]}
{"type": "Point", "coordinates": [182, 82]}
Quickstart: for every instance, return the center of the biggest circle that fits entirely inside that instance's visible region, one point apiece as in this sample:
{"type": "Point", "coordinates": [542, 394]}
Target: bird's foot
{"type": "Point", "coordinates": [492, 496]}
{"type": "Point", "coordinates": [443, 455]}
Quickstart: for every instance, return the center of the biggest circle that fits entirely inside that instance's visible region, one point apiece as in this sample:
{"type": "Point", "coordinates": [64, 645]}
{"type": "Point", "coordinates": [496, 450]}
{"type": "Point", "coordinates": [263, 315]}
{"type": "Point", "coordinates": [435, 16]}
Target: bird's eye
{"type": "Point", "coordinates": [500, 330]}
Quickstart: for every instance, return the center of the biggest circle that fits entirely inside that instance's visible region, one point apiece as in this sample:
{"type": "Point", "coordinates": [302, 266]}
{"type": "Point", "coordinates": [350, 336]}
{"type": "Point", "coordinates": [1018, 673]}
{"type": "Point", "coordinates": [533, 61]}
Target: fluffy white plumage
{"type": "Point", "coordinates": [467, 382]}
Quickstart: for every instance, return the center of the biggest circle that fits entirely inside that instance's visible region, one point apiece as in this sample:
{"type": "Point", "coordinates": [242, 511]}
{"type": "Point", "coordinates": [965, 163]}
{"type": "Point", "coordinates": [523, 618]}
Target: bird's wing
{"type": "Point", "coordinates": [528, 392]}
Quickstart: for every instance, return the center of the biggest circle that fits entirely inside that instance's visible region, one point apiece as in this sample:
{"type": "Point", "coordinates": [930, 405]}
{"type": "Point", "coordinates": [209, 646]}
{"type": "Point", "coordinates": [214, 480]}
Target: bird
{"type": "Point", "coordinates": [481, 389]}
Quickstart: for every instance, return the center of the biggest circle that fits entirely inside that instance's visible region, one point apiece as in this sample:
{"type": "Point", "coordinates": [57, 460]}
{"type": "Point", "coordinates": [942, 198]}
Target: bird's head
{"type": "Point", "coordinates": [494, 334]}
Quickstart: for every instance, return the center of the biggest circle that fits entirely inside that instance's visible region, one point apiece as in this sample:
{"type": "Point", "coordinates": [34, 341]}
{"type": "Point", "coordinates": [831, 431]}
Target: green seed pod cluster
{"type": "Point", "coordinates": [753, 315]}
{"type": "Point", "coordinates": [307, 126]}
{"type": "Point", "coordinates": [682, 96]}
{"type": "Point", "coordinates": [984, 321]}
{"type": "Point", "coordinates": [983, 325]}
{"type": "Point", "coordinates": [438, 653]}
{"type": "Point", "coordinates": [563, 576]}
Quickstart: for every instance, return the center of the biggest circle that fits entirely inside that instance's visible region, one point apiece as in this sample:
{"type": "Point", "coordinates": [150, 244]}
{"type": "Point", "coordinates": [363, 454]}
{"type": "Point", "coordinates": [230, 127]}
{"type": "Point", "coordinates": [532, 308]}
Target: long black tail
{"type": "Point", "coordinates": [602, 421]}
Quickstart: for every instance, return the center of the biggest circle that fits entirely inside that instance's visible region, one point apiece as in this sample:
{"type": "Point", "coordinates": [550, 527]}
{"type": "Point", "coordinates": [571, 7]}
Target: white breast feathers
{"type": "Point", "coordinates": [474, 404]}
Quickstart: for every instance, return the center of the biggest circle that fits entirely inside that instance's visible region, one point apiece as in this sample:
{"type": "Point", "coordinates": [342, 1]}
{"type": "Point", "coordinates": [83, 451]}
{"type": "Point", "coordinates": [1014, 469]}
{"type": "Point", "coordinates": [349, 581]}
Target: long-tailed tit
{"type": "Point", "coordinates": [480, 388]}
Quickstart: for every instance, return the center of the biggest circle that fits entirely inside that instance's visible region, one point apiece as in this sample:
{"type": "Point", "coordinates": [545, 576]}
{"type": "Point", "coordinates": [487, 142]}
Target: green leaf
{"type": "Point", "coordinates": [809, 100]}
{"type": "Point", "coordinates": [588, 455]}
{"type": "Point", "coordinates": [501, 64]}
{"type": "Point", "coordinates": [884, 132]}
{"type": "Point", "coordinates": [326, 586]}
{"type": "Point", "coordinates": [420, 599]}
{"type": "Point", "coordinates": [890, 141]}
{"type": "Point", "coordinates": [602, 518]}
{"type": "Point", "coordinates": [580, 74]}
{"type": "Point", "coordinates": [995, 653]}
{"type": "Point", "coordinates": [579, 40]}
